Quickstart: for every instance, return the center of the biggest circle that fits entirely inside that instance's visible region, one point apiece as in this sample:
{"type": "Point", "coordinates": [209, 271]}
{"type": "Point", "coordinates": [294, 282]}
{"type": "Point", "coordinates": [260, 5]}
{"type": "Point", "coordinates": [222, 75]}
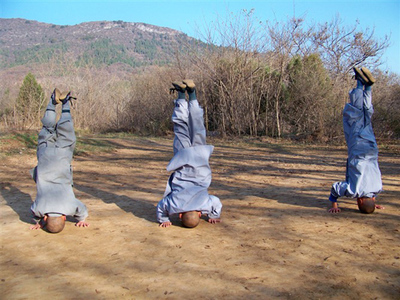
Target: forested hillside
{"type": "Point", "coordinates": [262, 79]}
{"type": "Point", "coordinates": [135, 44]}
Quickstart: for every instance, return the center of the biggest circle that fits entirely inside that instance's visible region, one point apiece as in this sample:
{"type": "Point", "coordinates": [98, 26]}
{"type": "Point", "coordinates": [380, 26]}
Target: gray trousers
{"type": "Point", "coordinates": [60, 134]}
{"type": "Point", "coordinates": [188, 124]}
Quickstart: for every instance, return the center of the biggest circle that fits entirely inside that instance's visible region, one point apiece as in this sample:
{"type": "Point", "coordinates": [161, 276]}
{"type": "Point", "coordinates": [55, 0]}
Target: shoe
{"type": "Point", "coordinates": [178, 86]}
{"type": "Point", "coordinates": [190, 86]}
{"type": "Point", "coordinates": [367, 73]}
{"type": "Point", "coordinates": [359, 75]}
{"type": "Point", "coordinates": [65, 97]}
{"type": "Point", "coordinates": [55, 96]}
{"type": "Point", "coordinates": [58, 97]}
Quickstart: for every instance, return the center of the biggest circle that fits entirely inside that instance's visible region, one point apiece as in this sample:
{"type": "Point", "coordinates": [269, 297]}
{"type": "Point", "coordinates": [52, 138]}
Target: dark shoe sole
{"type": "Point", "coordinates": [180, 87]}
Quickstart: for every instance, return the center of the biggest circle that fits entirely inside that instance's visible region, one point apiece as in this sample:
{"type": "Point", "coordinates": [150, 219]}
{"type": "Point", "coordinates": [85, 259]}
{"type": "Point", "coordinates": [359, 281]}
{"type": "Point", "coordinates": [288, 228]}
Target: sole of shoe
{"type": "Point", "coordinates": [179, 86]}
{"type": "Point", "coordinates": [57, 95]}
{"type": "Point", "coordinates": [360, 75]}
{"type": "Point", "coordinates": [190, 86]}
{"type": "Point", "coordinates": [367, 73]}
{"type": "Point", "coordinates": [189, 83]}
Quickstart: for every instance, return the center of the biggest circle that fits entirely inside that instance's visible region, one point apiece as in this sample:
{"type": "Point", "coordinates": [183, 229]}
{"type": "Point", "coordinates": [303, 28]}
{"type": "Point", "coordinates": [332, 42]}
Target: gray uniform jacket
{"type": "Point", "coordinates": [363, 177]}
{"type": "Point", "coordinates": [187, 187]}
{"type": "Point", "coordinates": [53, 173]}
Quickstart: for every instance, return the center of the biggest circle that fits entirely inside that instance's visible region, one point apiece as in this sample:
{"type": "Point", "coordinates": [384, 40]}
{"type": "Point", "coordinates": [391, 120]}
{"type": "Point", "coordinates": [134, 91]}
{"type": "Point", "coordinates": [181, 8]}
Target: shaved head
{"type": "Point", "coordinates": [366, 205]}
{"type": "Point", "coordinates": [190, 219]}
{"type": "Point", "coordinates": [55, 224]}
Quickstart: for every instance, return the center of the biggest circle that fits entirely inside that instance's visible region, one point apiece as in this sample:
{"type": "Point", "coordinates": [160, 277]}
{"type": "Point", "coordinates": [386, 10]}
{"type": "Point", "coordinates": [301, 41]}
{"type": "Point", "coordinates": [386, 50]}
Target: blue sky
{"type": "Point", "coordinates": [381, 15]}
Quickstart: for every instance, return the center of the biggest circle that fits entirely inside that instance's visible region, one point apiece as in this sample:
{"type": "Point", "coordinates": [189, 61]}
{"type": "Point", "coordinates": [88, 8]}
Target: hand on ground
{"type": "Point", "coordinates": [334, 210]}
{"type": "Point", "coordinates": [82, 224]}
{"type": "Point", "coordinates": [214, 221]}
{"type": "Point", "coordinates": [165, 224]}
{"type": "Point", "coordinates": [36, 226]}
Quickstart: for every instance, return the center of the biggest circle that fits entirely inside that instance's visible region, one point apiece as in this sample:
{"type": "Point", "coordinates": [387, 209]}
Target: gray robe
{"type": "Point", "coordinates": [363, 177]}
{"type": "Point", "coordinates": [53, 173]}
{"type": "Point", "coordinates": [187, 187]}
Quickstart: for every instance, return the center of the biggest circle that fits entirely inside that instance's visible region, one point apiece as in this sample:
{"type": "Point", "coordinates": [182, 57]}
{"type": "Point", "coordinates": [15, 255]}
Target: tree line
{"type": "Point", "coordinates": [253, 78]}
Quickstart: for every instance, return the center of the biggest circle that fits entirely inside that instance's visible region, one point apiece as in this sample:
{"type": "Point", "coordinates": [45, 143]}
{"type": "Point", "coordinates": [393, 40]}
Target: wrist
{"type": "Point", "coordinates": [332, 198]}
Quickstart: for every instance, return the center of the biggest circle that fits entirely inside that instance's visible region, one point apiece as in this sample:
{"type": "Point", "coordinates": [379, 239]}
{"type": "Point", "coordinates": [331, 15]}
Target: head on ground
{"type": "Point", "coordinates": [366, 205]}
{"type": "Point", "coordinates": [190, 219]}
{"type": "Point", "coordinates": [54, 223]}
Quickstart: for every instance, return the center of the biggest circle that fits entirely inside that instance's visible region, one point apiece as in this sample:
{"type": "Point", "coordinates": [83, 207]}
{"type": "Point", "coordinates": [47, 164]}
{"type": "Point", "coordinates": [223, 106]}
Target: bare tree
{"type": "Point", "coordinates": [341, 47]}
{"type": "Point", "coordinates": [231, 71]}
{"type": "Point", "coordinates": [150, 104]}
{"type": "Point", "coordinates": [286, 40]}
{"type": "Point", "coordinates": [386, 101]}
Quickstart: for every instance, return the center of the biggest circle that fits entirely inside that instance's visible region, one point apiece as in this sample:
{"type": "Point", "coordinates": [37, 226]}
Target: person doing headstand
{"type": "Point", "coordinates": [55, 198]}
{"type": "Point", "coordinates": [363, 177]}
{"type": "Point", "coordinates": [186, 193]}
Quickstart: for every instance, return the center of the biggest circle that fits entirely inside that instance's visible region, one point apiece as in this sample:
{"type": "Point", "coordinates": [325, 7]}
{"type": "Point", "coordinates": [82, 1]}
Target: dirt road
{"type": "Point", "coordinates": [276, 239]}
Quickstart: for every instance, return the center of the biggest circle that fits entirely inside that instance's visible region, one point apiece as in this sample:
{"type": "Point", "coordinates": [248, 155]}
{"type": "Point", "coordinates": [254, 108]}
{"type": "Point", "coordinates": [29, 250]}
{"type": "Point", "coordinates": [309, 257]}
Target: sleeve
{"type": "Point", "coordinates": [216, 208]}
{"type": "Point", "coordinates": [162, 211]}
{"type": "Point", "coordinates": [332, 198]}
{"type": "Point", "coordinates": [35, 215]}
{"type": "Point", "coordinates": [81, 212]}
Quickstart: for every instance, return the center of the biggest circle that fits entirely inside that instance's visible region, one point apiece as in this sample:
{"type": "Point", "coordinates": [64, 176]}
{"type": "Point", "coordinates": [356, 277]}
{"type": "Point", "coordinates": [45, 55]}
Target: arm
{"type": "Point", "coordinates": [216, 208]}
{"type": "Point", "coordinates": [334, 209]}
{"type": "Point", "coordinates": [81, 214]}
{"type": "Point", "coordinates": [38, 219]}
{"type": "Point", "coordinates": [39, 223]}
{"type": "Point", "coordinates": [162, 213]}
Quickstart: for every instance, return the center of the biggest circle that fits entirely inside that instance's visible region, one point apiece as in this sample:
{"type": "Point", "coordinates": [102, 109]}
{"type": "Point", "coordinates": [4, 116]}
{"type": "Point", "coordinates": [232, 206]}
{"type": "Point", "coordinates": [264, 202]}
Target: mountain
{"type": "Point", "coordinates": [100, 43]}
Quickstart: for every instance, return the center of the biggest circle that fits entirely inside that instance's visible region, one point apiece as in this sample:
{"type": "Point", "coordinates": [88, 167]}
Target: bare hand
{"type": "Point", "coordinates": [36, 226]}
{"type": "Point", "coordinates": [165, 224]}
{"type": "Point", "coordinates": [82, 224]}
{"type": "Point", "coordinates": [379, 207]}
{"type": "Point", "coordinates": [214, 221]}
{"type": "Point", "coordinates": [334, 210]}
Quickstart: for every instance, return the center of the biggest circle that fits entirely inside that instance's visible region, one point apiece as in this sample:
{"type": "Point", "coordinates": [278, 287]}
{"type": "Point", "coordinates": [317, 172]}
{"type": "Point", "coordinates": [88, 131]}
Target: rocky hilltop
{"type": "Point", "coordinates": [107, 42]}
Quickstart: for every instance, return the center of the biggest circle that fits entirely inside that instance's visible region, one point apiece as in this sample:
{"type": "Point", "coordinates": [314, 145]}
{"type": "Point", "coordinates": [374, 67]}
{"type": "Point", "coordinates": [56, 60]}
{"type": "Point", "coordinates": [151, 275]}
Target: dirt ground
{"type": "Point", "coordinates": [276, 239]}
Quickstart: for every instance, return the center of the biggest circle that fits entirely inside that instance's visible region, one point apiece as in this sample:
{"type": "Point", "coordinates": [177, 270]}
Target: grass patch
{"type": "Point", "coordinates": [14, 143]}
{"type": "Point", "coordinates": [28, 139]}
{"type": "Point", "coordinates": [86, 145]}
{"type": "Point", "coordinates": [17, 143]}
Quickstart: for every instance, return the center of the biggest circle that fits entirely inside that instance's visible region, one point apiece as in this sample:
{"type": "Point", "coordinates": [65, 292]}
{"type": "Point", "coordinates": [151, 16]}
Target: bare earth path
{"type": "Point", "coordinates": [276, 240]}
